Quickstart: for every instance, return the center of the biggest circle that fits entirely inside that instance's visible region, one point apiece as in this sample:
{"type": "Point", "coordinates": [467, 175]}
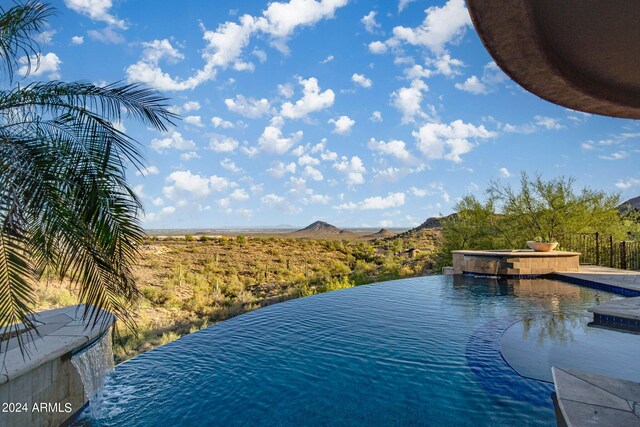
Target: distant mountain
{"type": "Point", "coordinates": [320, 228]}
{"type": "Point", "coordinates": [381, 234]}
{"type": "Point", "coordinates": [633, 203]}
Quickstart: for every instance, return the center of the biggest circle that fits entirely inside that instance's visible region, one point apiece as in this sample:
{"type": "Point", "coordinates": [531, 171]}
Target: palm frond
{"type": "Point", "coordinates": [18, 26]}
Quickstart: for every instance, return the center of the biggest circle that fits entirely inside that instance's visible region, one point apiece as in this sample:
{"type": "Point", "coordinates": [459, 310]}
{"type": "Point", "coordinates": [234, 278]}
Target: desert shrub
{"type": "Point", "coordinates": [335, 283]}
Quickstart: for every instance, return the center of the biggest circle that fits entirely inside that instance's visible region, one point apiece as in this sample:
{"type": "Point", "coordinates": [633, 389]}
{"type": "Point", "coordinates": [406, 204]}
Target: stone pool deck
{"type": "Point", "coordinates": [623, 282]}
{"type": "Point", "coordinates": [584, 399]}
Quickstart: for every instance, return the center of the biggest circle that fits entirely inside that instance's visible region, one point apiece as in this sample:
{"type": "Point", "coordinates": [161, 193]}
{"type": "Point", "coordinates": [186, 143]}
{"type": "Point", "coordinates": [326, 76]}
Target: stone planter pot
{"type": "Point", "coordinates": [542, 246]}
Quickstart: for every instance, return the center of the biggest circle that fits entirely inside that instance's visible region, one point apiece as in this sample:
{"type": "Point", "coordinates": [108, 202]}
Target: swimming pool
{"type": "Point", "coordinates": [420, 351]}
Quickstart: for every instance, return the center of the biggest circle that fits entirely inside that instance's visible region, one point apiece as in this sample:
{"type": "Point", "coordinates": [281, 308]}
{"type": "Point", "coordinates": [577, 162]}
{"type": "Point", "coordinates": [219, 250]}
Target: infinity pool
{"type": "Point", "coordinates": [421, 351]}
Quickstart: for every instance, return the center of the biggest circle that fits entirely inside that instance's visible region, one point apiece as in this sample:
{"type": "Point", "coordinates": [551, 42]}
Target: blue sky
{"type": "Point", "coordinates": [360, 113]}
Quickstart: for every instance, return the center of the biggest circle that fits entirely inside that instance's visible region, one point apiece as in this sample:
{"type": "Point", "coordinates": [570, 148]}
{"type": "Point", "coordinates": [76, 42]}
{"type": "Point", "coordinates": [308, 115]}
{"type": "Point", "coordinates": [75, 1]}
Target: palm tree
{"type": "Point", "coordinates": [65, 205]}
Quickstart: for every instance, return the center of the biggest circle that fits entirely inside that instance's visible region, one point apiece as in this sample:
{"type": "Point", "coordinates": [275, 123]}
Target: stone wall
{"type": "Point", "coordinates": [42, 387]}
{"type": "Point", "coordinates": [514, 263]}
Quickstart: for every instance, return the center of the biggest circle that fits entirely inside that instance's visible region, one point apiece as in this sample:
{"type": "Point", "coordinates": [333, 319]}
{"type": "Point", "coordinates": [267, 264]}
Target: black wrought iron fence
{"type": "Point", "coordinates": [601, 250]}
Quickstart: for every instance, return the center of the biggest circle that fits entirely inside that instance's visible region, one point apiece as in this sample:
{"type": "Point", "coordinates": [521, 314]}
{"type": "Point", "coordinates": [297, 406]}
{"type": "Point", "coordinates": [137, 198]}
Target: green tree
{"type": "Point", "coordinates": [65, 205]}
{"type": "Point", "coordinates": [537, 209]}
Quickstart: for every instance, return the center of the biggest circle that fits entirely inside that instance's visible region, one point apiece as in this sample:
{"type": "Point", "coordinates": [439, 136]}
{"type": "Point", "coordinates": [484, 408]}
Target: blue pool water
{"type": "Point", "coordinates": [421, 351]}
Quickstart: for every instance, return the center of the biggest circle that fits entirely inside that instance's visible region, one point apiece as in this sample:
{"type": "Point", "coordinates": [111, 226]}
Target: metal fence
{"type": "Point", "coordinates": [602, 250]}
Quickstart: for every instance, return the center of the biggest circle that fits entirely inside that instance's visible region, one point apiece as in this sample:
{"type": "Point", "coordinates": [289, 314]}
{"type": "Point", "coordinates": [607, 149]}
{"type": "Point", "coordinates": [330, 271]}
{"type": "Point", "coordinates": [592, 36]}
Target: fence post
{"type": "Point", "coordinates": [623, 255]}
{"type": "Point", "coordinates": [597, 248]}
{"type": "Point", "coordinates": [611, 251]}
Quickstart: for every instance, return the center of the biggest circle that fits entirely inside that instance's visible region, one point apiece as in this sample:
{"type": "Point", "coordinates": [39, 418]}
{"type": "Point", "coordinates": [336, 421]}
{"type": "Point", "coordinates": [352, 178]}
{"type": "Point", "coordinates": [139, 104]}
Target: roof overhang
{"type": "Point", "coordinates": [581, 54]}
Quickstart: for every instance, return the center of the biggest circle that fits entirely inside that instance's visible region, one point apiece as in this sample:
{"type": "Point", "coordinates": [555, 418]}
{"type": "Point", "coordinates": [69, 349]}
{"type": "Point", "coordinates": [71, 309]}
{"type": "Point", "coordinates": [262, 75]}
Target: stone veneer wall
{"type": "Point", "coordinates": [514, 263]}
{"type": "Point", "coordinates": [56, 384]}
{"type": "Point", "coordinates": [44, 388]}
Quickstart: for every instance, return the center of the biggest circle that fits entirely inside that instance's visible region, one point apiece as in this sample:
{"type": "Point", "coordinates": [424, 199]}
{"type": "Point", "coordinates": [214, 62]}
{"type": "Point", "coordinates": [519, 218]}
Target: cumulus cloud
{"type": "Point", "coordinates": [191, 106]}
{"type": "Point", "coordinates": [361, 80]}
{"type": "Point", "coordinates": [312, 100]}
{"type": "Point", "coordinates": [172, 139]}
{"type": "Point", "coordinates": [473, 85]}
{"type": "Point", "coordinates": [189, 155]}
{"type": "Point", "coordinates": [38, 65]}
{"type": "Point", "coordinates": [369, 22]}
{"type": "Point", "coordinates": [441, 26]}
{"type": "Point", "coordinates": [327, 59]}
{"type": "Point", "coordinates": [394, 148]}
{"type": "Point", "coordinates": [97, 10]}
{"type": "Point", "coordinates": [628, 183]}
{"type": "Point", "coordinates": [342, 125]}
{"type": "Point", "coordinates": [279, 169]}
{"type": "Point", "coordinates": [219, 122]}
{"type": "Point", "coordinates": [273, 141]}
{"type": "Point", "coordinates": [408, 100]}
{"type": "Point", "coordinates": [312, 173]}
{"type": "Point", "coordinates": [280, 203]}
{"type": "Point", "coordinates": [230, 165]}
{"type": "Point", "coordinates": [248, 107]}
{"type": "Point", "coordinates": [353, 169]}
{"type": "Point", "coordinates": [377, 47]}
{"type": "Point", "coordinates": [149, 170]}
{"type": "Point", "coordinates": [194, 121]}
{"type": "Point", "coordinates": [376, 117]}
{"type": "Point", "coordinates": [187, 184]}
{"type": "Point", "coordinates": [504, 172]}
{"type": "Point", "coordinates": [392, 200]}
{"type": "Point", "coordinates": [224, 46]}
{"type": "Point", "coordinates": [77, 40]}
{"type": "Point", "coordinates": [239, 194]}
{"type": "Point", "coordinates": [223, 144]}
{"type": "Point", "coordinates": [449, 141]}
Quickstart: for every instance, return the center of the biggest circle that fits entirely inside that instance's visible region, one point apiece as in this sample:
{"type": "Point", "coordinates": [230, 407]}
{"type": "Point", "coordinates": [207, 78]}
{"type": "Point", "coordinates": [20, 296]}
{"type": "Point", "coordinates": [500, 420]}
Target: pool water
{"type": "Point", "coordinates": [420, 351]}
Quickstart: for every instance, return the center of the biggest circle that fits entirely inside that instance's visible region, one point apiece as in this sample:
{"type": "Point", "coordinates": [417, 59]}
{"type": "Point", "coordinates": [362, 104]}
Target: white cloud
{"type": "Point", "coordinates": [281, 19]}
{"type": "Point", "coordinates": [173, 139]}
{"type": "Point", "coordinates": [446, 65]}
{"type": "Point", "coordinates": [239, 194]}
{"type": "Point", "coordinates": [472, 85]}
{"type": "Point", "coordinates": [369, 22]}
{"type": "Point", "coordinates": [107, 35]}
{"type": "Point", "coordinates": [219, 122]}
{"type": "Point", "coordinates": [191, 106]}
{"type": "Point", "coordinates": [392, 200]}
{"type": "Point", "coordinates": [353, 169]}
{"type": "Point", "coordinates": [306, 159]}
{"type": "Point", "coordinates": [77, 40]}
{"type": "Point", "coordinates": [376, 117]}
{"type": "Point", "coordinates": [97, 10]}
{"type": "Point", "coordinates": [279, 169]}
{"type": "Point", "coordinates": [618, 155]}
{"type": "Point", "coordinates": [189, 155]}
{"type": "Point", "coordinates": [249, 107]}
{"type": "Point", "coordinates": [403, 4]}
{"type": "Point", "coordinates": [223, 144]}
{"type": "Point", "coordinates": [548, 123]}
{"type": "Point", "coordinates": [312, 100]}
{"type": "Point", "coordinates": [272, 139]}
{"type": "Point", "coordinates": [394, 148]}
{"type": "Point", "coordinates": [449, 141]}
{"type": "Point", "coordinates": [280, 203]}
{"type": "Point", "coordinates": [625, 184]}
{"type": "Point", "coordinates": [361, 80]}
{"type": "Point", "coordinates": [377, 47]}
{"type": "Point", "coordinates": [158, 201]}
{"type": "Point", "coordinates": [286, 90]}
{"type": "Point", "coordinates": [408, 101]}
{"type": "Point", "coordinates": [342, 125]}
{"type": "Point", "coordinates": [37, 65]}
{"type": "Point", "coordinates": [185, 183]}
{"type": "Point", "coordinates": [504, 172]}
{"type": "Point", "coordinates": [312, 173]}
{"type": "Point", "coordinates": [229, 165]}
{"type": "Point", "coordinates": [419, 192]}
{"type": "Point", "coordinates": [441, 26]}
{"type": "Point", "coordinates": [224, 46]}
{"type": "Point", "coordinates": [149, 170]}
{"type": "Point", "coordinates": [168, 210]}
{"type": "Point", "coordinates": [194, 121]}
{"type": "Point", "coordinates": [327, 59]}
